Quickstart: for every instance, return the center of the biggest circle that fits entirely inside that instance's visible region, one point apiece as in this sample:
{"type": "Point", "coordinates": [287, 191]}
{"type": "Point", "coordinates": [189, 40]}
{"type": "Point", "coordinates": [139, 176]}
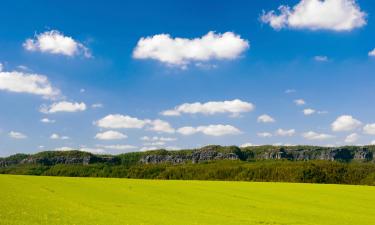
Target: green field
{"type": "Point", "coordinates": [60, 200]}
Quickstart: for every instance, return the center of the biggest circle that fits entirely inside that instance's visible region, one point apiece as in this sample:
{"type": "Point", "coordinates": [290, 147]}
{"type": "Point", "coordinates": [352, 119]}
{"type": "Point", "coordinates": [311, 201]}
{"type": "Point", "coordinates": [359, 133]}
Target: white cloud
{"type": "Point", "coordinates": [1, 67]}
{"type": "Point", "coordinates": [161, 126]}
{"type": "Point", "coordinates": [345, 123]}
{"type": "Point", "coordinates": [97, 105]}
{"type": "Point", "coordinates": [20, 82]}
{"type": "Point", "coordinates": [55, 42]}
{"type": "Point", "coordinates": [299, 102]}
{"type": "Point", "coordinates": [46, 120]}
{"type": "Point", "coordinates": [372, 52]}
{"type": "Point", "coordinates": [63, 106]}
{"type": "Point", "coordinates": [65, 148]}
{"type": "Point", "coordinates": [369, 129]}
{"type": "Point", "coordinates": [311, 135]}
{"type": "Point", "coordinates": [308, 111]}
{"type": "Point", "coordinates": [156, 138]}
{"type": "Point", "coordinates": [372, 142]}
{"type": "Point", "coordinates": [265, 119]}
{"type": "Point", "coordinates": [93, 150]}
{"type": "Point", "coordinates": [148, 148]}
{"type": "Point", "coordinates": [120, 147]}
{"type": "Point", "coordinates": [321, 58]}
{"type": "Point", "coordinates": [117, 121]}
{"type": "Point", "coordinates": [211, 130]}
{"type": "Point", "coordinates": [157, 143]}
{"type": "Point", "coordinates": [17, 135]}
{"type": "Point", "coordinates": [110, 135]}
{"type": "Point", "coordinates": [234, 107]}
{"type": "Point", "coordinates": [282, 132]}
{"type": "Point", "coordinates": [290, 91]}
{"type": "Point", "coordinates": [264, 134]}
{"type": "Point", "coordinates": [182, 51]}
{"type": "Point", "coordinates": [352, 138]}
{"type": "Point", "coordinates": [57, 136]}
{"type": "Point", "coordinates": [248, 144]}
{"type": "Point", "coordinates": [335, 15]}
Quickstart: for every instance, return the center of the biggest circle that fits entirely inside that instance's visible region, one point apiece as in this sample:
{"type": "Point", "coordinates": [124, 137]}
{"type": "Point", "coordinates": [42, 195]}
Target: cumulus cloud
{"type": "Point", "coordinates": [372, 53]}
{"type": "Point", "coordinates": [335, 15]}
{"type": "Point", "coordinates": [160, 126]}
{"type": "Point", "coordinates": [110, 135]}
{"type": "Point", "coordinates": [369, 129]}
{"type": "Point", "coordinates": [46, 120]}
{"type": "Point", "coordinates": [311, 135]}
{"type": "Point", "coordinates": [282, 132]}
{"type": "Point", "coordinates": [55, 42]}
{"type": "Point", "coordinates": [117, 121]}
{"type": "Point", "coordinates": [182, 51]}
{"type": "Point", "coordinates": [17, 135]}
{"type": "Point", "coordinates": [308, 112]}
{"type": "Point", "coordinates": [345, 123]}
{"type": "Point", "coordinates": [264, 134]}
{"type": "Point", "coordinates": [57, 136]}
{"type": "Point", "coordinates": [299, 102]}
{"type": "Point", "coordinates": [63, 106]}
{"type": "Point", "coordinates": [234, 108]}
{"type": "Point", "coordinates": [352, 138]}
{"type": "Point", "coordinates": [211, 130]}
{"type": "Point", "coordinates": [265, 119]}
{"type": "Point", "coordinates": [20, 82]}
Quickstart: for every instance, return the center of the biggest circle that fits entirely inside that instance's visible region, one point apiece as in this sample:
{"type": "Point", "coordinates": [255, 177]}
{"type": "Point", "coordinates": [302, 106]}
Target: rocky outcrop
{"type": "Point", "coordinates": [58, 158]}
{"type": "Point", "coordinates": [208, 153]}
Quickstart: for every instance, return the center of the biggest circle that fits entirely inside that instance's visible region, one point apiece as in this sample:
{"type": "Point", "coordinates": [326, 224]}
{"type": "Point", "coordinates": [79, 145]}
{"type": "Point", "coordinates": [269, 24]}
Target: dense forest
{"type": "Point", "coordinates": [306, 164]}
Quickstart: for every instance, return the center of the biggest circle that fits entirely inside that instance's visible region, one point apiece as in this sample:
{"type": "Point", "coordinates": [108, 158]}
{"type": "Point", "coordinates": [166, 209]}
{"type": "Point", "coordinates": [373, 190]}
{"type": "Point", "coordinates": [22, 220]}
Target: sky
{"type": "Point", "coordinates": [115, 77]}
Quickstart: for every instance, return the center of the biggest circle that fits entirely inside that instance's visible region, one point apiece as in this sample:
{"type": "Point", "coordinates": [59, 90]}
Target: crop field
{"type": "Point", "coordinates": [61, 200]}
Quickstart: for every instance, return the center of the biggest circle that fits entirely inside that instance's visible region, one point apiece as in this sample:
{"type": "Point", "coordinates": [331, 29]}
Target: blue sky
{"type": "Point", "coordinates": [92, 54]}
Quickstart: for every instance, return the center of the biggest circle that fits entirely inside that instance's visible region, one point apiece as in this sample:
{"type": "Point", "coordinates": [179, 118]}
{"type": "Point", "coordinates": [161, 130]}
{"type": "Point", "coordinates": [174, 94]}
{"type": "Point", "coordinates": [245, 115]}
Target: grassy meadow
{"type": "Point", "coordinates": [62, 200]}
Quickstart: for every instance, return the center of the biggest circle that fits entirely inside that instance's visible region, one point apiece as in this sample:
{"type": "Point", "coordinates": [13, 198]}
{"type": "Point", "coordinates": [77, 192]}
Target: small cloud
{"type": "Point", "coordinates": [97, 105]}
{"type": "Point", "coordinates": [311, 135]}
{"type": "Point", "coordinates": [321, 58]}
{"type": "Point", "coordinates": [352, 138]}
{"type": "Point", "coordinates": [210, 130]}
{"type": "Point", "coordinates": [264, 134]}
{"type": "Point", "coordinates": [345, 123]}
{"type": "Point", "coordinates": [334, 15]}
{"type": "Point", "coordinates": [55, 136]}
{"type": "Point", "coordinates": [110, 135]}
{"type": "Point", "coordinates": [300, 102]}
{"type": "Point", "coordinates": [55, 42]}
{"type": "Point", "coordinates": [372, 53]}
{"type": "Point", "coordinates": [265, 119]}
{"type": "Point", "coordinates": [63, 106]}
{"type": "Point", "coordinates": [46, 120]}
{"type": "Point", "coordinates": [290, 91]}
{"type": "Point", "coordinates": [248, 144]}
{"type": "Point", "coordinates": [234, 108]}
{"type": "Point", "coordinates": [17, 135]}
{"type": "Point", "coordinates": [282, 132]}
{"type": "Point", "coordinates": [308, 112]}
